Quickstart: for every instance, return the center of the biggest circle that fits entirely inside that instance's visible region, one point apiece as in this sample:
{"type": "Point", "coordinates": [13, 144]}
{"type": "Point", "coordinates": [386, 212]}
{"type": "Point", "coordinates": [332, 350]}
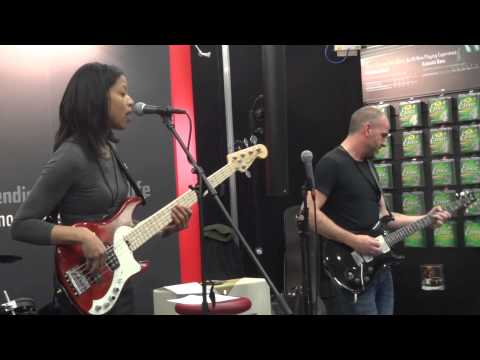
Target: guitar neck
{"type": "Point", "coordinates": [402, 233]}
{"type": "Point", "coordinates": [155, 223]}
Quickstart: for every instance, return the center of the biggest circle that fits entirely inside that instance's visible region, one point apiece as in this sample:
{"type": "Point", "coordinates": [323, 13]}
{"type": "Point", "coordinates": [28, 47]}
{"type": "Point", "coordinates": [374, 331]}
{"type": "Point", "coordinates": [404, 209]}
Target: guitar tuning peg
{"type": "Point", "coordinates": [245, 141]}
{"type": "Point", "coordinates": [248, 174]}
{"type": "Point", "coordinates": [253, 140]}
{"type": "Point", "coordinates": [238, 145]}
{"type": "Point", "coordinates": [258, 131]}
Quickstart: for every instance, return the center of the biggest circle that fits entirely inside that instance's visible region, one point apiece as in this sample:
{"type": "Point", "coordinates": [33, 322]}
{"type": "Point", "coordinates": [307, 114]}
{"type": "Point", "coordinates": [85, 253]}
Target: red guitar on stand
{"type": "Point", "coordinates": [97, 293]}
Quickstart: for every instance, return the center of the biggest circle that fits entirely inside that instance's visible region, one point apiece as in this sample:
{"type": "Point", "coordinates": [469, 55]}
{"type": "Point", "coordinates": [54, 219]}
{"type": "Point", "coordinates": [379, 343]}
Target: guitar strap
{"type": "Point", "coordinates": [375, 177]}
{"type": "Point", "coordinates": [374, 174]}
{"type": "Point", "coordinates": [124, 168]}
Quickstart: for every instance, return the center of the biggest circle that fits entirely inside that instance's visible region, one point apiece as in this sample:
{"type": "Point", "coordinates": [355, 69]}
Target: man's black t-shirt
{"type": "Point", "coordinates": [352, 193]}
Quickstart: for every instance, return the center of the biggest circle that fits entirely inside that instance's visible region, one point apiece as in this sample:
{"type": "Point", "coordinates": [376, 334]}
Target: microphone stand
{"type": "Point", "coordinates": [203, 181]}
{"type": "Point", "coordinates": [303, 232]}
{"type": "Point", "coordinates": [312, 254]}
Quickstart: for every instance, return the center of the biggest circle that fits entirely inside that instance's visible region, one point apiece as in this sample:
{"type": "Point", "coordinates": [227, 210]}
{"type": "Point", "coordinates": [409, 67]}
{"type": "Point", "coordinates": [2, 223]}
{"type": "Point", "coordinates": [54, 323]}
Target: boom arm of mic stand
{"type": "Point", "coordinates": [213, 192]}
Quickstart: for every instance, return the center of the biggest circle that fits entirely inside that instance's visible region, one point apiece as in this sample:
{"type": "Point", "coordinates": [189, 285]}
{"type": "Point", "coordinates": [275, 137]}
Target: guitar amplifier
{"type": "Point", "coordinates": [256, 289]}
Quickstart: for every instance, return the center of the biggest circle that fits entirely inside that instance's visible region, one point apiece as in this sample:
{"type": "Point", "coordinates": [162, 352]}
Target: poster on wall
{"type": "Point", "coordinates": [392, 72]}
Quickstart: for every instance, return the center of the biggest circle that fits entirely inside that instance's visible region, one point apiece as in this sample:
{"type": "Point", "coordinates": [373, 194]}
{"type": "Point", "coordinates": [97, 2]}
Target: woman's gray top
{"type": "Point", "coordinates": [85, 189]}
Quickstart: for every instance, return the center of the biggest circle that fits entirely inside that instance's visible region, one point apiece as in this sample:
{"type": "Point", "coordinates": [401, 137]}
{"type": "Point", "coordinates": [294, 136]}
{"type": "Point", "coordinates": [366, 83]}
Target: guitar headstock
{"type": "Point", "coordinates": [243, 159]}
{"type": "Point", "coordinates": [465, 199]}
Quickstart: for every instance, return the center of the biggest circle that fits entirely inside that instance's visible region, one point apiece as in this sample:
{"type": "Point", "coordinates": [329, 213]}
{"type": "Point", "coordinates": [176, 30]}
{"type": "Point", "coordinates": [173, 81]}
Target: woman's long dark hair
{"type": "Point", "coordinates": [84, 107]}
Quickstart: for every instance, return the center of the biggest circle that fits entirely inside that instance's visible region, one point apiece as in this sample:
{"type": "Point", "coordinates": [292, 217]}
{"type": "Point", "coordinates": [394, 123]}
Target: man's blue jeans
{"type": "Point", "coordinates": [377, 300]}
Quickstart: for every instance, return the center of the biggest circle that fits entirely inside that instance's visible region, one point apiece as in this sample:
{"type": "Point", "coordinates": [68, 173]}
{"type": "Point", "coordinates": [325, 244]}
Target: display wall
{"type": "Point", "coordinates": [432, 155]}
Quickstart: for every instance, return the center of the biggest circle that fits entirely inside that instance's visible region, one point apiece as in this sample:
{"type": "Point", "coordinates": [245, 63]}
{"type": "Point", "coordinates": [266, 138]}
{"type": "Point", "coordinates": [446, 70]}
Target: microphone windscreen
{"type": "Point", "coordinates": [138, 108]}
{"type": "Point", "coordinates": [306, 155]}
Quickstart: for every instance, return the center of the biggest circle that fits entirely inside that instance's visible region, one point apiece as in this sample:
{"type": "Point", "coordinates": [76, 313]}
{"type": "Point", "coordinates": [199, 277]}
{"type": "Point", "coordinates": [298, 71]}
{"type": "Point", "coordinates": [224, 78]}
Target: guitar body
{"type": "Point", "coordinates": [351, 270]}
{"type": "Point", "coordinates": [98, 293]}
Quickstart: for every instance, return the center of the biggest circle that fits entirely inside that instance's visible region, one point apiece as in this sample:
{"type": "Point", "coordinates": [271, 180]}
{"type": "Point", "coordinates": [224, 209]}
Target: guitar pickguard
{"type": "Point", "coordinates": [128, 266]}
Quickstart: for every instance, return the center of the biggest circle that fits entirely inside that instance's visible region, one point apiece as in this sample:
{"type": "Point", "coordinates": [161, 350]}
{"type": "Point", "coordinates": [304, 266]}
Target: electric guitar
{"type": "Point", "coordinates": [97, 293]}
{"type": "Point", "coordinates": [354, 271]}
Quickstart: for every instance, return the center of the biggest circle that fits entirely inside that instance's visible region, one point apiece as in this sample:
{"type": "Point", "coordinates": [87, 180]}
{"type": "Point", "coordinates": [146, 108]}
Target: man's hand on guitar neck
{"type": "Point", "coordinates": [365, 245]}
{"type": "Point", "coordinates": [439, 216]}
{"type": "Point", "coordinates": [180, 218]}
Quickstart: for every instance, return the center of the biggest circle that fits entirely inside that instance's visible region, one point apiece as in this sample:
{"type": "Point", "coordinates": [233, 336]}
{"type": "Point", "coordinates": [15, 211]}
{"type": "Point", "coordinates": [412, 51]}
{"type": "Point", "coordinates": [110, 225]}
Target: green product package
{"type": "Point", "coordinates": [445, 235]}
{"type": "Point", "coordinates": [412, 174]}
{"type": "Point", "coordinates": [470, 170]}
{"type": "Point", "coordinates": [440, 110]}
{"type": "Point", "coordinates": [384, 152]}
{"type": "Point", "coordinates": [417, 239]}
{"type": "Point", "coordinates": [472, 233]}
{"type": "Point", "coordinates": [441, 141]}
{"type": "Point", "coordinates": [413, 203]}
{"type": "Point", "coordinates": [412, 143]}
{"type": "Point", "coordinates": [444, 198]}
{"type": "Point", "coordinates": [469, 138]}
{"type": "Point", "coordinates": [410, 114]}
{"type": "Point", "coordinates": [443, 172]}
{"type": "Point", "coordinates": [468, 107]}
{"type": "Point", "coordinates": [384, 172]}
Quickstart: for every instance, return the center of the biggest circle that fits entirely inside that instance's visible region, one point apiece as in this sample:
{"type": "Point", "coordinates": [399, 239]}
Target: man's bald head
{"type": "Point", "coordinates": [362, 116]}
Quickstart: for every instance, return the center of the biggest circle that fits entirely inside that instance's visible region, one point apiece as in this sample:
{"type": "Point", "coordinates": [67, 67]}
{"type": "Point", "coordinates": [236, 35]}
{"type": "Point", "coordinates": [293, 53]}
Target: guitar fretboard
{"type": "Point", "coordinates": [155, 223]}
{"type": "Point", "coordinates": [400, 234]}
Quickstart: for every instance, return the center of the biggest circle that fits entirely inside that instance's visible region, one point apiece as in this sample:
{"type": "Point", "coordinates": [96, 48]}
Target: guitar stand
{"type": "Point", "coordinates": [10, 305]}
{"type": "Point", "coordinates": [203, 181]}
{"type": "Point", "coordinates": [20, 306]}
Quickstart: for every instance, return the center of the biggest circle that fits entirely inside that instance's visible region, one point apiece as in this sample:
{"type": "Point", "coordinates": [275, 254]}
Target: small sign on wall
{"type": "Point", "coordinates": [432, 277]}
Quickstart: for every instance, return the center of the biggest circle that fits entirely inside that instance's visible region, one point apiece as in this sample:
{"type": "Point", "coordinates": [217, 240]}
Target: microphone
{"type": "Point", "coordinates": [141, 108]}
{"type": "Point", "coordinates": [307, 157]}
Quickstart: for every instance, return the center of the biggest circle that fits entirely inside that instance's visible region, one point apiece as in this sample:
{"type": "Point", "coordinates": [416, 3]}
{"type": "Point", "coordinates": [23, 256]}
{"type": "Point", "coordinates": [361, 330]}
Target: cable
{"type": "Point", "coordinates": [189, 131]}
{"type": "Point", "coordinates": [202, 53]}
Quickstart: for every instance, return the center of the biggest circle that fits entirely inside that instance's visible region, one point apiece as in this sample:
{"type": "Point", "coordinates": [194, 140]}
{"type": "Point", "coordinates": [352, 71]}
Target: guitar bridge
{"type": "Point", "coordinates": [78, 280]}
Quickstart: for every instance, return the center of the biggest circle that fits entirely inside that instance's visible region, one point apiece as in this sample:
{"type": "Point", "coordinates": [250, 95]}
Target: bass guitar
{"type": "Point", "coordinates": [98, 292]}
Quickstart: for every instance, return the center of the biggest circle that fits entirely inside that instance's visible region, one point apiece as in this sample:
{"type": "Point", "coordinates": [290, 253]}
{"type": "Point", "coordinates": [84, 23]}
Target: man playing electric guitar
{"type": "Point", "coordinates": [347, 203]}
